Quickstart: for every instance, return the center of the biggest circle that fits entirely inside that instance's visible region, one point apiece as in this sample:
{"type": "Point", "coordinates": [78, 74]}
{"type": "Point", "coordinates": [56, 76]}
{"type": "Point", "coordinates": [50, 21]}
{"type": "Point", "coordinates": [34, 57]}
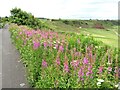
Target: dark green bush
{"type": "Point", "coordinates": [23, 18]}
{"type": "Point", "coordinates": [3, 21]}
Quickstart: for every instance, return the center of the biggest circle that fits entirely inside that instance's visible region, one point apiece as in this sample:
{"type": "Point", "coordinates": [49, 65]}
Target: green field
{"type": "Point", "coordinates": [108, 35]}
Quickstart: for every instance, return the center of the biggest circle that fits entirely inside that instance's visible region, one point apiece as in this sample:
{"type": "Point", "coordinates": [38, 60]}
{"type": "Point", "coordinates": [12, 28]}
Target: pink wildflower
{"type": "Point", "coordinates": [100, 69]}
{"type": "Point", "coordinates": [44, 63]}
{"type": "Point", "coordinates": [75, 63]}
{"type": "Point", "coordinates": [109, 69]}
{"type": "Point", "coordinates": [77, 54]}
{"type": "Point", "coordinates": [90, 67]}
{"type": "Point", "coordinates": [85, 60]}
{"type": "Point", "coordinates": [45, 44]}
{"type": "Point", "coordinates": [66, 67]}
{"type": "Point", "coordinates": [80, 73]}
{"type": "Point", "coordinates": [82, 79]}
{"type": "Point", "coordinates": [89, 73]}
{"type": "Point", "coordinates": [50, 37]}
{"type": "Point", "coordinates": [20, 33]}
{"type": "Point", "coordinates": [91, 76]}
{"type": "Point", "coordinates": [28, 33]}
{"type": "Point", "coordinates": [35, 44]}
{"type": "Point", "coordinates": [61, 48]}
{"type": "Point", "coordinates": [90, 54]}
{"type": "Point", "coordinates": [58, 61]}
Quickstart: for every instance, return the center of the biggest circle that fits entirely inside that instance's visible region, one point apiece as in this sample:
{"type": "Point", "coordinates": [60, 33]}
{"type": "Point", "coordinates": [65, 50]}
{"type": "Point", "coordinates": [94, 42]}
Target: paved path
{"type": "Point", "coordinates": [13, 71]}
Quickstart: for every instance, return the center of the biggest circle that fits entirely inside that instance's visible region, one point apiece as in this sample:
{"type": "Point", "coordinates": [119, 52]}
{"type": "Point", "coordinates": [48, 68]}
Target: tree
{"type": "Point", "coordinates": [23, 18]}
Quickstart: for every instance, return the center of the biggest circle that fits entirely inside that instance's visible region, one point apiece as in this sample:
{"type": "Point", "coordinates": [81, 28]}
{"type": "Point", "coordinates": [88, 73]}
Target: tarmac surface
{"type": "Point", "coordinates": [12, 71]}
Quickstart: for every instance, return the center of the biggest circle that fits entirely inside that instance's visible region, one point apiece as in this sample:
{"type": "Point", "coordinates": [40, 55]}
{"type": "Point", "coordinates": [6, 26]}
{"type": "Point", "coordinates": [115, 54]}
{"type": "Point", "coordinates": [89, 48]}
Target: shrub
{"type": "Point", "coordinates": [23, 18]}
{"type": "Point", "coordinates": [3, 21]}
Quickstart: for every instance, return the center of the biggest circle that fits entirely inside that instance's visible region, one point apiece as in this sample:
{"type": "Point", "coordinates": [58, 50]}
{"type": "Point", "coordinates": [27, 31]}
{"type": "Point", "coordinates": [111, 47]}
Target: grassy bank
{"type": "Point", "coordinates": [107, 35]}
{"type": "Point", "coordinates": [65, 60]}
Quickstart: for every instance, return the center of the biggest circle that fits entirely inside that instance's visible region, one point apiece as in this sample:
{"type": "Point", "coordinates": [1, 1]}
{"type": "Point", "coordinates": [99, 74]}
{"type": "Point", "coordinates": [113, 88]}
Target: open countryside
{"type": "Point", "coordinates": [59, 53]}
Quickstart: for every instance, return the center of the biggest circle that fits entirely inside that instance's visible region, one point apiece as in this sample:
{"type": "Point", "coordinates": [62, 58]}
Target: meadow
{"type": "Point", "coordinates": [107, 35]}
{"type": "Point", "coordinates": [62, 54]}
{"type": "Point", "coordinates": [55, 60]}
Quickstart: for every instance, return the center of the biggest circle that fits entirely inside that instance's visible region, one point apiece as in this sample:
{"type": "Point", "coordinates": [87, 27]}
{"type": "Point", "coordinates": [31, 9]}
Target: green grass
{"type": "Point", "coordinates": [61, 27]}
{"type": "Point", "coordinates": [107, 36]}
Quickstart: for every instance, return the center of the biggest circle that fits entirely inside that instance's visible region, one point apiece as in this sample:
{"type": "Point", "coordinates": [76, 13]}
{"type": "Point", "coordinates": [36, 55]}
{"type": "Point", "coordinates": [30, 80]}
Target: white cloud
{"type": "Point", "coordinates": [64, 8]}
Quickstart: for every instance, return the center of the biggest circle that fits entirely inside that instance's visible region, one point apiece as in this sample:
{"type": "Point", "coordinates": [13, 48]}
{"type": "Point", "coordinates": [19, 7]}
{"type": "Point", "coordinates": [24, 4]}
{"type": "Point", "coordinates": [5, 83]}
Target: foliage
{"type": "Point", "coordinates": [3, 21]}
{"type": "Point", "coordinates": [75, 23]}
{"type": "Point", "coordinates": [23, 18]}
{"type": "Point", "coordinates": [1, 25]}
{"type": "Point", "coordinates": [61, 60]}
{"type": "Point", "coordinates": [101, 24]}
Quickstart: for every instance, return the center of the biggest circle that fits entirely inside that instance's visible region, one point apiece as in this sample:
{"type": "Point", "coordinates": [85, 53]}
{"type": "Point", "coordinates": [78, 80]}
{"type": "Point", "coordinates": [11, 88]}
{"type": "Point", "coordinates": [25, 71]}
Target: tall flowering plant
{"type": "Point", "coordinates": [55, 60]}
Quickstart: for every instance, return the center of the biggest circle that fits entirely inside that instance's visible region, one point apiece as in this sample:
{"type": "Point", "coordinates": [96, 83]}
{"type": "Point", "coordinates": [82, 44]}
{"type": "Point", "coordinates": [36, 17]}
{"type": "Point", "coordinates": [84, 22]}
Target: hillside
{"type": "Point", "coordinates": [103, 30]}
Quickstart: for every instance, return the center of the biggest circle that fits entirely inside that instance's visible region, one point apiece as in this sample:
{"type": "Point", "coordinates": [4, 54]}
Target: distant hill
{"type": "Point", "coordinates": [99, 24]}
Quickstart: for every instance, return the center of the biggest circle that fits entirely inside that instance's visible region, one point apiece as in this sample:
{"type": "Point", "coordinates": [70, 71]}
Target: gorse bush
{"type": "Point", "coordinates": [23, 18]}
{"type": "Point", "coordinates": [55, 60]}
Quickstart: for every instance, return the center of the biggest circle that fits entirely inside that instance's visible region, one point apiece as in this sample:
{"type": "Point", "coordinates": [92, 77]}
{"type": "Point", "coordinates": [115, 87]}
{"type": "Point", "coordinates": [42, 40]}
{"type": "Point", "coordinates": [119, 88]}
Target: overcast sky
{"type": "Point", "coordinates": [66, 9]}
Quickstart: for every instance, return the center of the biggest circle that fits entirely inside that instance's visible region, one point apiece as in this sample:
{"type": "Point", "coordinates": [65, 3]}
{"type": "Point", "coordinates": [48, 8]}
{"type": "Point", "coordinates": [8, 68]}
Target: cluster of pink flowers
{"type": "Point", "coordinates": [89, 72]}
{"type": "Point", "coordinates": [61, 48]}
{"type": "Point", "coordinates": [83, 67]}
{"type": "Point", "coordinates": [58, 61]}
{"type": "Point", "coordinates": [44, 38]}
{"type": "Point", "coordinates": [36, 44]}
{"type": "Point", "coordinates": [100, 70]}
{"type": "Point", "coordinates": [85, 60]}
{"type": "Point", "coordinates": [75, 63]}
{"type": "Point", "coordinates": [45, 44]}
{"type": "Point", "coordinates": [81, 74]}
{"type": "Point", "coordinates": [66, 67]}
